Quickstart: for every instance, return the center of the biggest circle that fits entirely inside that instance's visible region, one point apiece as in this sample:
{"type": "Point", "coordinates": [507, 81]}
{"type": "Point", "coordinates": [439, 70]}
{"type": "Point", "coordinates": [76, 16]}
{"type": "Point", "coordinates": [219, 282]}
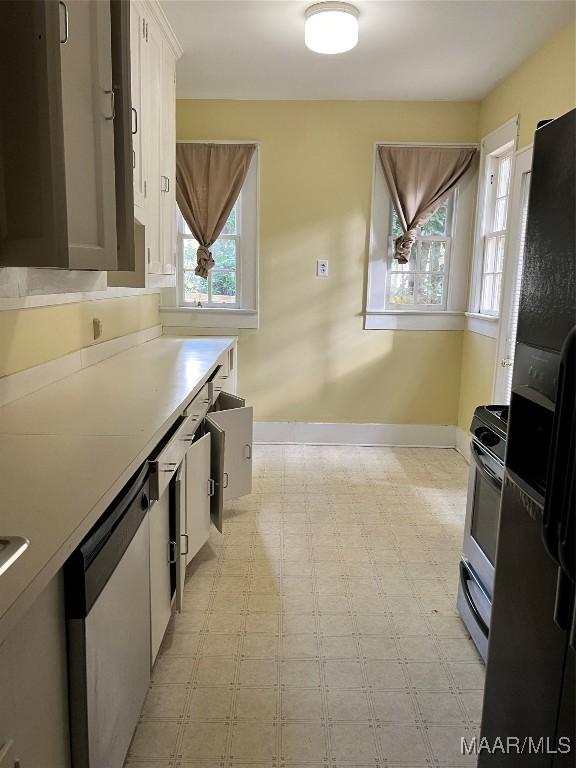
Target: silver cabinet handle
{"type": "Point", "coordinates": [210, 487]}
{"type": "Point", "coordinates": [184, 536]}
{"type": "Point", "coordinates": [247, 451]}
{"type": "Point", "coordinates": [135, 114]}
{"type": "Point", "coordinates": [164, 184]}
{"type": "Point", "coordinates": [172, 552]}
{"type": "Point", "coordinates": [64, 40]}
{"type": "Point", "coordinates": [226, 479]}
{"type": "Point", "coordinates": [110, 92]}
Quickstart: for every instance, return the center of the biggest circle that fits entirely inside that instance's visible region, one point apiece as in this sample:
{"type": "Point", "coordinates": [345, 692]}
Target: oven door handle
{"type": "Point", "coordinates": [465, 576]}
{"type": "Point", "coordinates": [484, 470]}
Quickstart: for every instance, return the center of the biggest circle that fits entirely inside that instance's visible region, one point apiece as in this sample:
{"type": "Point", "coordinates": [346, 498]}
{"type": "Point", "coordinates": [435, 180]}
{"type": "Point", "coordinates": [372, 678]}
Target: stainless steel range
{"type": "Point", "coordinates": [487, 449]}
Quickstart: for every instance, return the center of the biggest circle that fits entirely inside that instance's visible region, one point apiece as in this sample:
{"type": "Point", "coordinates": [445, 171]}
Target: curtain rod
{"type": "Point", "coordinates": [456, 145]}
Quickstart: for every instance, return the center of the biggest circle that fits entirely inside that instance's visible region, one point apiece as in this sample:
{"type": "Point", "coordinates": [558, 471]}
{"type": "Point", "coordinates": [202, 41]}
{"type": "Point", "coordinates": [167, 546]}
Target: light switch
{"type": "Point", "coordinates": [322, 268]}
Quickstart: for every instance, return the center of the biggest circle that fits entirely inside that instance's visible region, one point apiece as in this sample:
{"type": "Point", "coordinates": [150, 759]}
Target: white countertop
{"type": "Point", "coordinates": [67, 449]}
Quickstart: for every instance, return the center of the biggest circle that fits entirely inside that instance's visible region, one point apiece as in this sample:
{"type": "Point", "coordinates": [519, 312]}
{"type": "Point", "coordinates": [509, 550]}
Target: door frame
{"type": "Point", "coordinates": [522, 166]}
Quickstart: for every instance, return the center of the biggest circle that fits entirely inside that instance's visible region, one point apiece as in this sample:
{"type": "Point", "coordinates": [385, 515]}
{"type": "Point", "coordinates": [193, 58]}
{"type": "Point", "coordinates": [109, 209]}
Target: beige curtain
{"type": "Point", "coordinates": [209, 178]}
{"type": "Point", "coordinates": [419, 180]}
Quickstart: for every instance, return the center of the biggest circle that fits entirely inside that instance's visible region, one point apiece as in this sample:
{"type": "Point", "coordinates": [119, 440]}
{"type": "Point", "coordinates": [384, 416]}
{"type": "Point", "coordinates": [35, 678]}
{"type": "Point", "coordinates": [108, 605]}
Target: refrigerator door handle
{"type": "Point", "coordinates": [558, 480]}
{"type": "Point", "coordinates": [564, 602]}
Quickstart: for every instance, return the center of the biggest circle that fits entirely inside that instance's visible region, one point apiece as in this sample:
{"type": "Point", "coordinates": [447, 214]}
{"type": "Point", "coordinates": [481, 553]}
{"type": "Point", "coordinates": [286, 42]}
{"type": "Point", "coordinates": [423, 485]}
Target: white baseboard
{"type": "Point", "coordinates": [25, 382]}
{"type": "Point", "coordinates": [463, 443]}
{"type": "Point", "coordinates": [305, 433]}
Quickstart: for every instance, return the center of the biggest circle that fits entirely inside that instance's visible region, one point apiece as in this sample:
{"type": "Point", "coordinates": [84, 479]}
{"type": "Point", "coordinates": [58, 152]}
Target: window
{"type": "Point", "coordinates": [499, 169]}
{"type": "Point", "coordinates": [429, 292]}
{"type": "Point", "coordinates": [422, 283]}
{"type": "Point", "coordinates": [220, 288]}
{"type": "Point", "coordinates": [492, 228]}
{"type": "Point", "coordinates": [228, 297]}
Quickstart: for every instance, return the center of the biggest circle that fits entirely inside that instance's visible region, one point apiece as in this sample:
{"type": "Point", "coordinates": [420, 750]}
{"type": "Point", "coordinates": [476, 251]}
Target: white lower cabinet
{"type": "Point", "coordinates": [160, 556]}
{"type": "Point", "coordinates": [34, 688]}
{"type": "Point", "coordinates": [199, 491]}
{"type": "Point", "coordinates": [230, 424]}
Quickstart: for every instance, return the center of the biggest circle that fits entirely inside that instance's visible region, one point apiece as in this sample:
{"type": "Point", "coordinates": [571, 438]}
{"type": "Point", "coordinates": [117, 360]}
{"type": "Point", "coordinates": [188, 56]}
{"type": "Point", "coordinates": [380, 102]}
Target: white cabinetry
{"type": "Point", "coordinates": [88, 115]}
{"type": "Point", "coordinates": [160, 589]}
{"type": "Point", "coordinates": [154, 51]}
{"type": "Point", "coordinates": [137, 75]}
{"type": "Point", "coordinates": [199, 490]}
{"type": "Point", "coordinates": [33, 686]}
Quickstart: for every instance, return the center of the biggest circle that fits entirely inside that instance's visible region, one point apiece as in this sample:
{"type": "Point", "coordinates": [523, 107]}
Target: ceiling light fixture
{"type": "Point", "coordinates": [331, 27]}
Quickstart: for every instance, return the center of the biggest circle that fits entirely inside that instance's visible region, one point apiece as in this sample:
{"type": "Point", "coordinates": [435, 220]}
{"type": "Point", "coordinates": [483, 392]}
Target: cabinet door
{"type": "Point", "coordinates": [199, 491]}
{"type": "Point", "coordinates": [180, 544]}
{"type": "Point", "coordinates": [168, 162]}
{"type": "Point", "coordinates": [217, 475]}
{"type": "Point", "coordinates": [160, 592]}
{"type": "Point", "coordinates": [153, 107]}
{"type": "Point", "coordinates": [137, 76]}
{"type": "Point", "coordinates": [33, 227]}
{"type": "Point", "coordinates": [231, 415]}
{"type": "Point", "coordinates": [88, 115]}
{"type": "Point", "coordinates": [123, 124]}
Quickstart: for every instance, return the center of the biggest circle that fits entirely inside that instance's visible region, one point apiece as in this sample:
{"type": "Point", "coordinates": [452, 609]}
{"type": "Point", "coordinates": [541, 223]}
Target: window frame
{"type": "Point", "coordinates": [413, 307]}
{"type": "Point", "coordinates": [501, 142]}
{"type": "Point", "coordinates": [245, 314]}
{"type": "Point", "coordinates": [380, 315]}
{"type": "Point", "coordinates": [182, 237]}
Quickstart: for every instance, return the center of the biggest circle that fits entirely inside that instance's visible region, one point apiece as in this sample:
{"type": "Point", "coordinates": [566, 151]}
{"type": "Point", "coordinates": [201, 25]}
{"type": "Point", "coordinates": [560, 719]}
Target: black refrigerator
{"type": "Point", "coordinates": [529, 716]}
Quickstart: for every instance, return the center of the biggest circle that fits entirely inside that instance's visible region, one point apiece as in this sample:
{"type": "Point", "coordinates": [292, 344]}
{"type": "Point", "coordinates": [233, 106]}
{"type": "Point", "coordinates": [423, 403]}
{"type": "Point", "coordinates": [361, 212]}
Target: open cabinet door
{"type": "Point", "coordinates": [231, 414]}
{"type": "Point", "coordinates": [217, 476]}
{"type": "Point", "coordinates": [181, 537]}
{"type": "Point", "coordinates": [198, 495]}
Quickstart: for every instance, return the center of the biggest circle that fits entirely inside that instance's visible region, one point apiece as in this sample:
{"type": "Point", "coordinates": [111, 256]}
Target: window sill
{"type": "Point", "coordinates": [414, 321]}
{"type": "Point", "coordinates": [208, 317]}
{"type": "Point", "coordinates": [486, 325]}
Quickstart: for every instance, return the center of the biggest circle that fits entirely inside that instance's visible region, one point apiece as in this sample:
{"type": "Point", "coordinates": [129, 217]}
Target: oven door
{"type": "Point", "coordinates": [483, 514]}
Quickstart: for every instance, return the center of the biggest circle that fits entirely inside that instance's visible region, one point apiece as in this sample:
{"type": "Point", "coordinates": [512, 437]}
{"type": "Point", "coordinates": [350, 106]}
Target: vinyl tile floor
{"type": "Point", "coordinates": [320, 629]}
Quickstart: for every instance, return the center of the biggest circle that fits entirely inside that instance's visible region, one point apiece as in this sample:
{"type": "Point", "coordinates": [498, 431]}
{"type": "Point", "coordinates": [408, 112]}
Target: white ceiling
{"type": "Point", "coordinates": [408, 49]}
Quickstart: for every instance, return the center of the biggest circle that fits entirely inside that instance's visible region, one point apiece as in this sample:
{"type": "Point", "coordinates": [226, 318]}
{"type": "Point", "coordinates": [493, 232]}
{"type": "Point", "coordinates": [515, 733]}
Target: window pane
{"type": "Point", "coordinates": [431, 256]}
{"type": "Point", "coordinates": [195, 288]}
{"type": "Point", "coordinates": [429, 289]}
{"type": "Point", "coordinates": [490, 255]}
{"type": "Point", "coordinates": [223, 286]}
{"type": "Point", "coordinates": [224, 253]}
{"type": "Point", "coordinates": [496, 293]}
{"type": "Point", "coordinates": [505, 166]}
{"type": "Point", "coordinates": [395, 228]}
{"type": "Point", "coordinates": [189, 247]}
{"type": "Point", "coordinates": [401, 288]}
{"type": "Point", "coordinates": [500, 254]}
{"type": "Point", "coordinates": [486, 304]}
{"type": "Point", "coordinates": [500, 214]}
{"type": "Point", "coordinates": [437, 223]}
{"type": "Point", "coordinates": [230, 228]}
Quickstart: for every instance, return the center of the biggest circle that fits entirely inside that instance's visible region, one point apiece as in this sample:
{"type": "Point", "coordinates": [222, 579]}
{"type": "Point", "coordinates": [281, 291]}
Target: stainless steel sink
{"type": "Point", "coordinates": [11, 547]}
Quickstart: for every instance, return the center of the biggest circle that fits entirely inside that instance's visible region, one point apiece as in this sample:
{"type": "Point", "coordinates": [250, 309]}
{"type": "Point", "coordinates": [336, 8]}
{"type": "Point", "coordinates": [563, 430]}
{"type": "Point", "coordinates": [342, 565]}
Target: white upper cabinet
{"type": "Point", "coordinates": [154, 51]}
{"type": "Point", "coordinates": [88, 110]}
{"type": "Point", "coordinates": [137, 45]}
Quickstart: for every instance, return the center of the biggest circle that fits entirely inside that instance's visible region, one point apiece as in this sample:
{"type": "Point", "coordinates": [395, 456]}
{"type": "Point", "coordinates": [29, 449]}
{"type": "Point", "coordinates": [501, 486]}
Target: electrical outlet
{"type": "Point", "coordinates": [97, 327]}
{"type": "Point", "coordinates": [322, 268]}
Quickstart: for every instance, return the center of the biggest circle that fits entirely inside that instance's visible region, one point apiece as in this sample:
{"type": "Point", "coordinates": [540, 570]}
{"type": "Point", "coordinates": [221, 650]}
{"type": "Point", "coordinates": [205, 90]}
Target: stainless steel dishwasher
{"type": "Point", "coordinates": [108, 624]}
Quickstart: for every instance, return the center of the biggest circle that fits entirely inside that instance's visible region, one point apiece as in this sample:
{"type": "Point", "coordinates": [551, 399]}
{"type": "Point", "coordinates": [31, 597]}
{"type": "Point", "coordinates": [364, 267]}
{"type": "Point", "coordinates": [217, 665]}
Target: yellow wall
{"type": "Point", "coordinates": [478, 356]}
{"type": "Point", "coordinates": [311, 360]}
{"type": "Point", "coordinates": [544, 86]}
{"type": "Point", "coordinates": [36, 335]}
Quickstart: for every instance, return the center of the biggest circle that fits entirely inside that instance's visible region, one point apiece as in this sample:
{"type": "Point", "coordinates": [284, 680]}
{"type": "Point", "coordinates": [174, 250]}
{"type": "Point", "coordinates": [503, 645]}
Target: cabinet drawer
{"type": "Point", "coordinates": [165, 464]}
{"type": "Point", "coordinates": [199, 406]}
{"type": "Point", "coordinates": [230, 425]}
